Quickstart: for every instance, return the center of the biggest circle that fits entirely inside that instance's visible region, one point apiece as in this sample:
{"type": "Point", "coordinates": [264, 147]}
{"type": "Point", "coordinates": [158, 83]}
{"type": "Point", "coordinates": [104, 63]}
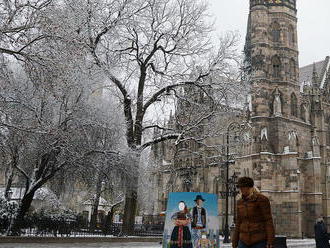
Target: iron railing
{"type": "Point", "coordinates": [44, 228]}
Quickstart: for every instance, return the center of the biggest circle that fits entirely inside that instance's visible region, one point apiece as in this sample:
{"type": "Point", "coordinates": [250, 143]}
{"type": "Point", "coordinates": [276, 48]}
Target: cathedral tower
{"type": "Point", "coordinates": [272, 54]}
{"type": "Point", "coordinates": [284, 162]}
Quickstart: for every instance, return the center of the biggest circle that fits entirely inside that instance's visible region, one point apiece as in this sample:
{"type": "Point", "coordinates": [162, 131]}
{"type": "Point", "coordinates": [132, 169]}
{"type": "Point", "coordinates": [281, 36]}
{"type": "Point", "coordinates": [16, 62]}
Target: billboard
{"type": "Point", "coordinates": [191, 221]}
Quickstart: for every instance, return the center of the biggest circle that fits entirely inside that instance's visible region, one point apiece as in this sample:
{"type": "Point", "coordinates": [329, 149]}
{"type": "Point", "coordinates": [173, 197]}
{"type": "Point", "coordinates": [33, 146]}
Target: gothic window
{"type": "Point", "coordinates": [294, 105]}
{"type": "Point", "coordinates": [291, 36]}
{"type": "Point", "coordinates": [292, 69]}
{"type": "Point", "coordinates": [276, 32]}
{"type": "Point", "coordinates": [328, 134]}
{"type": "Point", "coordinates": [216, 185]}
{"type": "Point", "coordinates": [328, 137]}
{"type": "Point", "coordinates": [276, 63]}
{"type": "Point", "coordinates": [303, 112]}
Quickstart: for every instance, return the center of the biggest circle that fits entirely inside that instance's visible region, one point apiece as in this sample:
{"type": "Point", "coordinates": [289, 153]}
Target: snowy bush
{"type": "Point", "coordinates": [54, 216]}
{"type": "Point", "coordinates": [47, 197]}
{"type": "Point", "coordinates": [8, 211]}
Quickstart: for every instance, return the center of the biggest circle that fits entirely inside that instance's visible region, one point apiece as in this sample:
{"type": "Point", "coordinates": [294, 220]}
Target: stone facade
{"type": "Point", "coordinates": [290, 164]}
{"type": "Point", "coordinates": [289, 153]}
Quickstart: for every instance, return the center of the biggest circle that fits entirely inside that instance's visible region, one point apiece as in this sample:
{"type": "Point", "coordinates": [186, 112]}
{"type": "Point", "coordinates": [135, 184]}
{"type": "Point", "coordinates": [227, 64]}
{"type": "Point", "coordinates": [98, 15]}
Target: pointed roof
{"type": "Point", "coordinates": [315, 77]}
{"type": "Point", "coordinates": [315, 74]}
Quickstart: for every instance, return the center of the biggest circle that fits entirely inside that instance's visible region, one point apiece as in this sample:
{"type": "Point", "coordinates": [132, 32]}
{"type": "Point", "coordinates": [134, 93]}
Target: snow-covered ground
{"type": "Point", "coordinates": [292, 243]}
{"type": "Point", "coordinates": [306, 243]}
{"type": "Point", "coordinates": [92, 245]}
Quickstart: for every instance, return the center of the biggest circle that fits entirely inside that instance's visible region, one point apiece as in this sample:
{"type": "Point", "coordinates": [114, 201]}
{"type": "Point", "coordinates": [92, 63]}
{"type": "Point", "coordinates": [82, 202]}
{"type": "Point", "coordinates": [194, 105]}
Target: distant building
{"type": "Point", "coordinates": [43, 198]}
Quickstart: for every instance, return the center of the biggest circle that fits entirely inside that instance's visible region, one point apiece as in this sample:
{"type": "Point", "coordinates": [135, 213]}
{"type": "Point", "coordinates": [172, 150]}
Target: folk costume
{"type": "Point", "coordinates": [198, 224]}
{"type": "Point", "coordinates": [181, 236]}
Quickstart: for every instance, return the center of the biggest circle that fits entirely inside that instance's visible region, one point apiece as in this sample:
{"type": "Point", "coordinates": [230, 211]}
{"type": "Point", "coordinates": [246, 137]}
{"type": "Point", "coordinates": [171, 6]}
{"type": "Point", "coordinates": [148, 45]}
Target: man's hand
{"type": "Point", "coordinates": [270, 246]}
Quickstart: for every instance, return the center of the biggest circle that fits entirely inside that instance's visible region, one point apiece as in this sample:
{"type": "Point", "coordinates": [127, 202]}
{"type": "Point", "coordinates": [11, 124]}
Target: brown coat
{"type": "Point", "coordinates": [254, 221]}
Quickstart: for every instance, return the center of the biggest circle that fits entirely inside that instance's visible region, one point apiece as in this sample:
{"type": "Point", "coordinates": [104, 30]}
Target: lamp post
{"type": "Point", "coordinates": [300, 232]}
{"type": "Point", "coordinates": [230, 182]}
{"type": "Point", "coordinates": [9, 194]}
{"type": "Point", "coordinates": [230, 192]}
{"type": "Point", "coordinates": [234, 190]}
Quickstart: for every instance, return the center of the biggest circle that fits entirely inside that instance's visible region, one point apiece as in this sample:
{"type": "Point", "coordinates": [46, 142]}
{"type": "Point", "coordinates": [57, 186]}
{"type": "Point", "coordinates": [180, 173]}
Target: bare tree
{"type": "Point", "coordinates": [19, 27]}
{"type": "Point", "coordinates": [52, 120]}
{"type": "Point", "coordinates": [146, 50]}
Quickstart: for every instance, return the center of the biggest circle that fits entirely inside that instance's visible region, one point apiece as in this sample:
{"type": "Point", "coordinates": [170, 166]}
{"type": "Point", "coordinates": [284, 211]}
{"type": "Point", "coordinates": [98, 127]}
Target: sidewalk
{"type": "Point", "coordinates": [292, 243]}
{"type": "Point", "coordinates": [131, 242]}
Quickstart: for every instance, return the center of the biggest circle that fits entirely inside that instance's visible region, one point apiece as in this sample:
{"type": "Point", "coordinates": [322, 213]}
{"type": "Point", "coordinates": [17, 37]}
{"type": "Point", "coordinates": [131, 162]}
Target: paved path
{"type": "Point", "coordinates": [98, 245]}
{"type": "Point", "coordinates": [291, 244]}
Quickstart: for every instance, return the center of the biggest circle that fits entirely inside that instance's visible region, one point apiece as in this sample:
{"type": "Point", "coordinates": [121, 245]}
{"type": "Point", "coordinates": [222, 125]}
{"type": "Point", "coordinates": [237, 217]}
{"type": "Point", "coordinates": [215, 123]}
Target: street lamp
{"type": "Point", "coordinates": [231, 191]}
{"type": "Point", "coordinates": [234, 190]}
{"type": "Point", "coordinates": [235, 126]}
{"type": "Point", "coordinates": [9, 194]}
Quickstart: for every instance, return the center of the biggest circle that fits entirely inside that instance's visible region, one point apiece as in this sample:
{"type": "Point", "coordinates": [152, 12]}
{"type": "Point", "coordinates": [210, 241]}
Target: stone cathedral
{"type": "Point", "coordinates": [289, 109]}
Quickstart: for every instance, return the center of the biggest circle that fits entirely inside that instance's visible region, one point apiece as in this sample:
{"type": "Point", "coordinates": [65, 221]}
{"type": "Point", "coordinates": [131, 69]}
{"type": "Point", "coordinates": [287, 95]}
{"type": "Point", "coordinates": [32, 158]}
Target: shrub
{"type": "Point", "coordinates": [8, 211]}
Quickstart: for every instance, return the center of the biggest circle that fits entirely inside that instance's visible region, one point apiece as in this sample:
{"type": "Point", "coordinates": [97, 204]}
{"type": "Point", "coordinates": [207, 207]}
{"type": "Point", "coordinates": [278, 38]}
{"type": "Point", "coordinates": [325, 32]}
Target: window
{"type": "Point", "coordinates": [291, 36]}
{"type": "Point", "coordinates": [276, 66]}
{"type": "Point", "coordinates": [216, 185]}
{"type": "Point", "coordinates": [294, 105]}
{"type": "Point", "coordinates": [276, 32]}
{"type": "Point", "coordinates": [303, 112]}
{"type": "Point", "coordinates": [292, 69]}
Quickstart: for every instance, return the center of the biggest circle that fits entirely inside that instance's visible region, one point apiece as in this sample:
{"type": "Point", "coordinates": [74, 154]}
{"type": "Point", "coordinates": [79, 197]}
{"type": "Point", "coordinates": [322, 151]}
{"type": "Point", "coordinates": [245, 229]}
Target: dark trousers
{"type": "Point", "coordinates": [261, 244]}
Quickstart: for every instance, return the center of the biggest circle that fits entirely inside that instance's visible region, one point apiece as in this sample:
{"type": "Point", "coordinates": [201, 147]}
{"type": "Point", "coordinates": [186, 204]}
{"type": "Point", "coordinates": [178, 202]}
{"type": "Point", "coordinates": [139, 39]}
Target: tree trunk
{"type": "Point", "coordinates": [130, 211]}
{"type": "Point", "coordinates": [131, 196]}
{"type": "Point", "coordinates": [9, 182]}
{"type": "Point", "coordinates": [110, 216]}
{"type": "Point", "coordinates": [96, 201]}
{"type": "Point", "coordinates": [15, 226]}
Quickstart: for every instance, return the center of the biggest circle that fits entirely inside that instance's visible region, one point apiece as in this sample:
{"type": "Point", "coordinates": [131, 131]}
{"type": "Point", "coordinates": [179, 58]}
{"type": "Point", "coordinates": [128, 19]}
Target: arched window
{"type": "Point", "coordinates": [294, 105]}
{"type": "Point", "coordinates": [292, 69]}
{"type": "Point", "coordinates": [276, 32]}
{"type": "Point", "coordinates": [276, 63]}
{"type": "Point", "coordinates": [291, 36]}
{"type": "Point", "coordinates": [216, 183]}
{"type": "Point", "coordinates": [303, 112]}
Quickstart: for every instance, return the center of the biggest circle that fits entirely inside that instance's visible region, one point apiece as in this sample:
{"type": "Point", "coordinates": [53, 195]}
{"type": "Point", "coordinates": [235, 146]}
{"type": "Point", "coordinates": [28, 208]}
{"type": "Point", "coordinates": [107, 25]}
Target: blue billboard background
{"type": "Point", "coordinates": [211, 206]}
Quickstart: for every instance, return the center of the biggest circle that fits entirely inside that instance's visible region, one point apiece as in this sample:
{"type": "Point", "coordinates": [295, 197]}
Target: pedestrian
{"type": "Point", "coordinates": [321, 234]}
{"type": "Point", "coordinates": [254, 223]}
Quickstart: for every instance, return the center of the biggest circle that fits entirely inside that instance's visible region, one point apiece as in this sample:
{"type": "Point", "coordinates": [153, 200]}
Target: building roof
{"type": "Point", "coordinates": [17, 193]}
{"type": "Point", "coordinates": [102, 202]}
{"type": "Point", "coordinates": [41, 194]}
{"type": "Point", "coordinates": [321, 68]}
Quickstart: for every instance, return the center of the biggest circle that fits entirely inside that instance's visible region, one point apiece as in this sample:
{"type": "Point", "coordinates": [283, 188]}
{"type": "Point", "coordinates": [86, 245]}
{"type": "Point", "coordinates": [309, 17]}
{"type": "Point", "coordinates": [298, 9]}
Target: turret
{"type": "Point", "coordinates": [272, 55]}
{"type": "Point", "coordinates": [285, 3]}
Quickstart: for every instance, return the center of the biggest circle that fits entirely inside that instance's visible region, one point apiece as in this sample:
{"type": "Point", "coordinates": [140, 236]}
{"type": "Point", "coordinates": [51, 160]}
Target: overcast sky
{"type": "Point", "coordinates": [313, 25]}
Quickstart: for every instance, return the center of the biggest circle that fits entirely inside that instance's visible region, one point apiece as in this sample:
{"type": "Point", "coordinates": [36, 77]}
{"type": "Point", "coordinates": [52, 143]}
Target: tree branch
{"type": "Point", "coordinates": [160, 139]}
{"type": "Point", "coordinates": [156, 95]}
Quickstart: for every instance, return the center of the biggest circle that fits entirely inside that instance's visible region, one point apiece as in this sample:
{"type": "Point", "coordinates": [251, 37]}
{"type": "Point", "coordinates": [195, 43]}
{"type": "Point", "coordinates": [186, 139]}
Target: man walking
{"type": "Point", "coordinates": [254, 227]}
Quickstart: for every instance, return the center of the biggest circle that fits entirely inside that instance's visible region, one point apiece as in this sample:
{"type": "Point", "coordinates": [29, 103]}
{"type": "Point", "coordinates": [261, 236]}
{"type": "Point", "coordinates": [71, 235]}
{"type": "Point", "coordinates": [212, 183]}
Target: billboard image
{"type": "Point", "coordinates": [191, 221]}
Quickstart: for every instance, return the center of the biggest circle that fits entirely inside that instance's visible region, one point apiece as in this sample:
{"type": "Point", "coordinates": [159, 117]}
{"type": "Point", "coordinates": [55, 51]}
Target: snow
{"type": "Point", "coordinates": [90, 245]}
{"type": "Point", "coordinates": [306, 243]}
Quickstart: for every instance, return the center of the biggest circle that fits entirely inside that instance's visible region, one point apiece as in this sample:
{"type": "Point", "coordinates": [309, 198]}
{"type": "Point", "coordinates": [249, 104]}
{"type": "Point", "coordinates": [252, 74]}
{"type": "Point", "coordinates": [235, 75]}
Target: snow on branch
{"type": "Point", "coordinates": [160, 139]}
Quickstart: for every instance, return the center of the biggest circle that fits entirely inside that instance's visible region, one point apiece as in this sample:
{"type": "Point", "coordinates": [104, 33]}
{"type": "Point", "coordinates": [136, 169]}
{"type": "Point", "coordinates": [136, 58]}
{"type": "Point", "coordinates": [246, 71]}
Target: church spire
{"type": "Point", "coordinates": [315, 78]}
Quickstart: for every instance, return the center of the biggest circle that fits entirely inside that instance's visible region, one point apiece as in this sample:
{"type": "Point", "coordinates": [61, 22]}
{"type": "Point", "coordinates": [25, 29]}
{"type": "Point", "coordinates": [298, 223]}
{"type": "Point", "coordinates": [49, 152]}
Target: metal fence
{"type": "Point", "coordinates": [76, 229]}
